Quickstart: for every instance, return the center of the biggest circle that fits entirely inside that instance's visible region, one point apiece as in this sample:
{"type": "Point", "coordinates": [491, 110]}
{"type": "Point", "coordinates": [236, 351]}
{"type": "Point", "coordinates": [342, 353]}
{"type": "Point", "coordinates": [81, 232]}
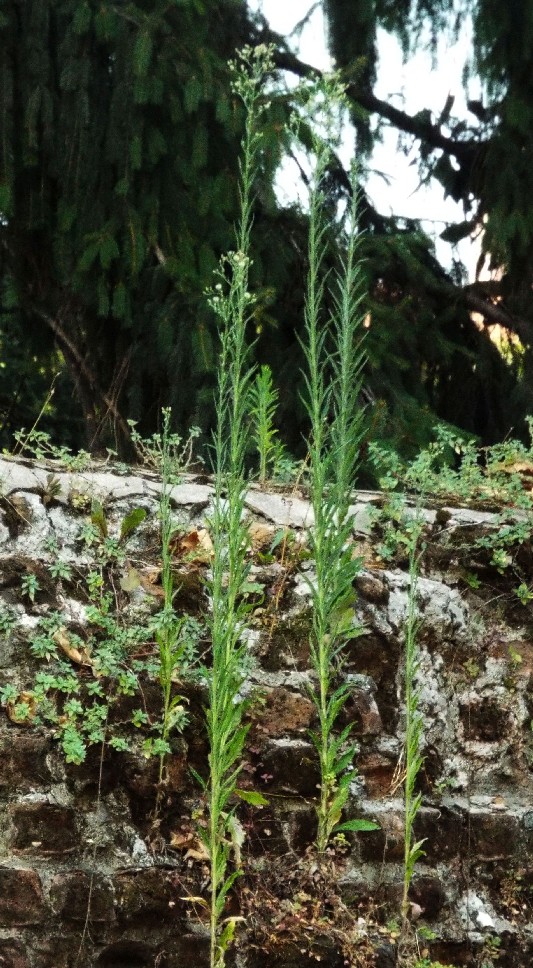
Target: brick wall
{"type": "Point", "coordinates": [91, 874]}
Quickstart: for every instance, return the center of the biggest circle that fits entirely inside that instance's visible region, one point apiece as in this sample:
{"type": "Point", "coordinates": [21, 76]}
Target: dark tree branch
{"type": "Point", "coordinates": [496, 313]}
{"type": "Point", "coordinates": [420, 128]}
{"type": "Point", "coordinates": [87, 384]}
{"type": "Point", "coordinates": [475, 298]}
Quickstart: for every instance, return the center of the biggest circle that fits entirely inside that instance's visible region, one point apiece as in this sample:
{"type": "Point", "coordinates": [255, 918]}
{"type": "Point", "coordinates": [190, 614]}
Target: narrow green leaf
{"type": "Point", "coordinates": [356, 825]}
{"type": "Point", "coordinates": [98, 518]}
{"type": "Point", "coordinates": [131, 522]}
{"type": "Point", "coordinates": [252, 797]}
{"type": "Point", "coordinates": [198, 778]}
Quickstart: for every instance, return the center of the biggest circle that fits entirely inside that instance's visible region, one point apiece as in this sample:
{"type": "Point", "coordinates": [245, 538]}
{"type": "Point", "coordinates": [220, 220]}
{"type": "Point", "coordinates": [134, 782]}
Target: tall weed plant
{"type": "Point", "coordinates": [333, 385]}
{"type": "Point", "coordinates": [413, 730]}
{"type": "Point", "coordinates": [233, 304]}
{"type": "Point", "coordinates": [171, 630]}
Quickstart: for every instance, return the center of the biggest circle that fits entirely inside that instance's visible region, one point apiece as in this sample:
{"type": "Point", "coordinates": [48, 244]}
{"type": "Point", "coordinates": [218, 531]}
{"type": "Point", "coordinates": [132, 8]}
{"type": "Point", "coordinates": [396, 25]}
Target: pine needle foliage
{"type": "Point", "coordinates": [118, 192]}
{"type": "Point", "coordinates": [333, 384]}
{"type": "Point", "coordinates": [233, 304]}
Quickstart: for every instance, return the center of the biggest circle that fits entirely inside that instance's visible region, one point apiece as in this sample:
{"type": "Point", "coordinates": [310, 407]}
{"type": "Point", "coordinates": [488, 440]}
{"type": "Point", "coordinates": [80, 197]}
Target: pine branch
{"type": "Point", "coordinates": [496, 313]}
{"type": "Point", "coordinates": [83, 374]}
{"type": "Point", "coordinates": [420, 128]}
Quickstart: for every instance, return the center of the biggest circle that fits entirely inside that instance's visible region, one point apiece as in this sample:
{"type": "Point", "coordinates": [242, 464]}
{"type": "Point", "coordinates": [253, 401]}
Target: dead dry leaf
{"type": "Point", "coordinates": [79, 656]}
{"type": "Point", "coordinates": [195, 546]}
{"type": "Point", "coordinates": [261, 535]}
{"type": "Point", "coordinates": [192, 899]}
{"type": "Point", "coordinates": [130, 579]}
{"type": "Point", "coordinates": [180, 839]}
{"type": "Point", "coordinates": [150, 580]}
{"type": "Point", "coordinates": [198, 853]}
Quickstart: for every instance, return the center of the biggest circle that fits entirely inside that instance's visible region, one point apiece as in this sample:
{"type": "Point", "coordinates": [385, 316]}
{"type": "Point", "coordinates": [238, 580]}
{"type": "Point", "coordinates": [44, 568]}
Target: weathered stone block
{"type": "Point", "coordinates": [428, 892]}
{"type": "Point", "coordinates": [484, 720]}
{"type": "Point", "coordinates": [361, 709]}
{"type": "Point", "coordinates": [75, 898]}
{"type": "Point", "coordinates": [378, 770]}
{"type": "Point", "coordinates": [149, 895]}
{"type": "Point", "coordinates": [127, 954]}
{"type": "Point", "coordinates": [494, 836]}
{"type": "Point", "coordinates": [266, 832]}
{"type": "Point", "coordinates": [372, 588]}
{"type": "Point", "coordinates": [92, 777]}
{"type": "Point", "coordinates": [296, 955]}
{"type": "Point", "coordinates": [140, 775]}
{"type": "Point", "coordinates": [376, 655]}
{"type": "Point", "coordinates": [303, 826]}
{"type": "Point", "coordinates": [287, 644]}
{"type": "Point", "coordinates": [12, 955]}
{"type": "Point", "coordinates": [22, 760]}
{"type": "Point", "coordinates": [58, 951]}
{"type": "Point", "coordinates": [43, 828]}
{"type": "Point", "coordinates": [282, 712]}
{"type": "Point", "coordinates": [290, 765]}
{"type": "Point", "coordinates": [21, 897]}
{"type": "Point", "coordinates": [385, 844]}
{"type": "Point", "coordinates": [189, 951]}
{"type": "Point", "coordinates": [443, 832]}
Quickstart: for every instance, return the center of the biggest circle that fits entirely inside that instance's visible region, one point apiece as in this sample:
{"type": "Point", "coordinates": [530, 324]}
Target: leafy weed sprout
{"type": "Point", "coordinates": [164, 449]}
{"type": "Point", "coordinates": [263, 405]}
{"type": "Point", "coordinates": [172, 631]}
{"type": "Point", "coordinates": [333, 384]}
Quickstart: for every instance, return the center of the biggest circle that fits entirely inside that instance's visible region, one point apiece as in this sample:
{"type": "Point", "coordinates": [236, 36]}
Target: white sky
{"type": "Point", "coordinates": [411, 87]}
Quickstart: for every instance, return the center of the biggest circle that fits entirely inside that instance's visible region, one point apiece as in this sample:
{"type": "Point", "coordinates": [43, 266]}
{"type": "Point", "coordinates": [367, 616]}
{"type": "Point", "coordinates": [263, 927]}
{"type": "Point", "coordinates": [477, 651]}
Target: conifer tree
{"type": "Point", "coordinates": [118, 191]}
{"type": "Point", "coordinates": [481, 159]}
{"type": "Point", "coordinates": [118, 148]}
{"type": "Point", "coordinates": [429, 356]}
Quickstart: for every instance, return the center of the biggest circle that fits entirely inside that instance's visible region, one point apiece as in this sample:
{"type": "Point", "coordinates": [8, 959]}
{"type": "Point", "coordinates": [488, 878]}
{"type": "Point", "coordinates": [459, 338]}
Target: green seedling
{"type": "Point", "coordinates": [263, 406]}
{"type": "Point", "coordinates": [29, 585]}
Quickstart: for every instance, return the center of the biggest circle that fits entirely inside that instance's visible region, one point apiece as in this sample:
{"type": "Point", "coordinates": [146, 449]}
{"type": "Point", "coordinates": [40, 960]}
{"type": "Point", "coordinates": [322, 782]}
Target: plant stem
{"type": "Point", "coordinates": [232, 302]}
{"type": "Point", "coordinates": [413, 729]}
{"type": "Point", "coordinates": [333, 384]}
{"type": "Point", "coordinates": [169, 633]}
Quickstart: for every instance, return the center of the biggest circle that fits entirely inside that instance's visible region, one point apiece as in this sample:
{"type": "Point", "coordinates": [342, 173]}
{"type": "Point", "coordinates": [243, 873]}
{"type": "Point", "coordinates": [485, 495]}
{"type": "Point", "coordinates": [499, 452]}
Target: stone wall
{"type": "Point", "coordinates": [93, 873]}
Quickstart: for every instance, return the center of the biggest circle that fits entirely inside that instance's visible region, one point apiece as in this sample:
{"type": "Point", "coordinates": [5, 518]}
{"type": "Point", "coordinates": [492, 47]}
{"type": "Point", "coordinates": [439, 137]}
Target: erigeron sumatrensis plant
{"type": "Point", "coordinates": [233, 304]}
{"type": "Point", "coordinates": [332, 399]}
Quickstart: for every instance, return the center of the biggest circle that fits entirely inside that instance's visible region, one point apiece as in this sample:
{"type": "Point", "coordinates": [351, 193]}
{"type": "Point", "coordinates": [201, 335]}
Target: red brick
{"type": "Point", "coordinates": [22, 761]}
{"type": "Point", "coordinates": [43, 829]}
{"type": "Point", "coordinates": [12, 955]}
{"type": "Point", "coordinates": [21, 898]}
{"type": "Point", "coordinates": [494, 835]}
{"type": "Point", "coordinates": [70, 892]}
{"type": "Point", "coordinates": [133, 954]}
{"type": "Point", "coordinates": [150, 896]}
